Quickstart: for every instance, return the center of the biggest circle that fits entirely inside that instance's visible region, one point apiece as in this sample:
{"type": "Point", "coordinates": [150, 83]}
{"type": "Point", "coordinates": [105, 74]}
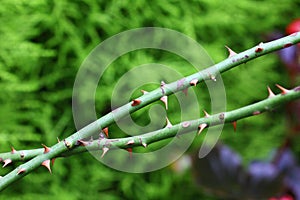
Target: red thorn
{"type": "Point", "coordinates": [231, 52]}
{"type": "Point", "coordinates": [46, 149]}
{"type": "Point", "coordinates": [271, 94]}
{"type": "Point", "coordinates": [105, 150]}
{"type": "Point", "coordinates": [7, 162]}
{"type": "Point", "coordinates": [201, 127]}
{"type": "Point", "coordinates": [283, 90]}
{"type": "Point", "coordinates": [258, 49]}
{"type": "Point", "coordinates": [234, 125]}
{"type": "Point", "coordinates": [162, 83]}
{"type": "Point", "coordinates": [194, 82]}
{"type": "Point", "coordinates": [206, 114]}
{"type": "Point", "coordinates": [164, 99]}
{"type": "Point", "coordinates": [144, 91]}
{"type": "Point", "coordinates": [136, 102]}
{"type": "Point", "coordinates": [130, 152]}
{"type": "Point", "coordinates": [169, 125]}
{"type": "Point", "coordinates": [186, 124]}
{"type": "Point", "coordinates": [52, 161]}
{"type": "Point", "coordinates": [46, 164]}
{"type": "Point", "coordinates": [21, 171]}
{"type": "Point", "coordinates": [82, 143]}
{"type": "Point", "coordinates": [130, 142]}
{"type": "Point", "coordinates": [105, 131]}
{"type": "Point", "coordinates": [287, 45]}
{"type": "Point", "coordinates": [13, 150]}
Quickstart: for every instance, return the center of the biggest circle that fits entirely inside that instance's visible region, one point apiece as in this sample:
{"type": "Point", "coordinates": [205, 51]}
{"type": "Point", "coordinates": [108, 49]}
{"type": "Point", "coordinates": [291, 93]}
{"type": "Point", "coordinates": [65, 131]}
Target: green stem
{"type": "Point", "coordinates": [70, 142]}
{"type": "Point", "coordinates": [165, 133]}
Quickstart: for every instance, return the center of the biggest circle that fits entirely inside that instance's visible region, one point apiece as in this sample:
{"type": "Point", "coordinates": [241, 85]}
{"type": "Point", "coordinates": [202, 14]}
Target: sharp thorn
{"type": "Point", "coordinates": [164, 99]}
{"type": "Point", "coordinates": [283, 90]}
{"type": "Point", "coordinates": [194, 82]}
{"type": "Point", "coordinates": [20, 171]}
{"type": "Point", "coordinates": [46, 164]}
{"type": "Point", "coordinates": [130, 142]}
{"type": "Point", "coordinates": [169, 125]}
{"type": "Point", "coordinates": [13, 150]}
{"type": "Point", "coordinates": [135, 102]}
{"type": "Point", "coordinates": [105, 150]}
{"type": "Point", "coordinates": [234, 125]}
{"type": "Point", "coordinates": [201, 127]}
{"type": "Point", "coordinates": [105, 131]}
{"type": "Point", "coordinates": [46, 149]}
{"type": "Point", "coordinates": [271, 94]}
{"type": "Point", "coordinates": [206, 114]}
{"type": "Point", "coordinates": [7, 162]}
{"type": "Point", "coordinates": [231, 52]}
{"type": "Point", "coordinates": [144, 91]}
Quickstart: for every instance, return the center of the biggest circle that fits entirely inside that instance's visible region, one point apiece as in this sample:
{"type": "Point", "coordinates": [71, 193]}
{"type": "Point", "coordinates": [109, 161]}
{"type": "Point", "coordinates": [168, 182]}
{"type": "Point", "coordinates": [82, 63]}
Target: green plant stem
{"type": "Point", "coordinates": [165, 133]}
{"type": "Point", "coordinates": [168, 89]}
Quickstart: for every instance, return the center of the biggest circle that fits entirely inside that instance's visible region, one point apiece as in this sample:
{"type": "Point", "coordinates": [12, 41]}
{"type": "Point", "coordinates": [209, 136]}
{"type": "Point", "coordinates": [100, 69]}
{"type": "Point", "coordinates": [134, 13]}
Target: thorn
{"type": "Point", "coordinates": [13, 150]}
{"type": "Point", "coordinates": [271, 94]}
{"type": "Point", "coordinates": [46, 164]}
{"type": "Point", "coordinates": [105, 150]}
{"type": "Point", "coordinates": [164, 99]}
{"type": "Point", "coordinates": [194, 82]}
{"type": "Point", "coordinates": [7, 162]}
{"type": "Point", "coordinates": [105, 131]}
{"type": "Point", "coordinates": [144, 144]}
{"type": "Point", "coordinates": [130, 152]}
{"type": "Point", "coordinates": [185, 91]}
{"type": "Point", "coordinates": [213, 78]}
{"type": "Point", "coordinates": [206, 114]}
{"type": "Point", "coordinates": [67, 144]}
{"type": "Point", "coordinates": [144, 91]}
{"type": "Point", "coordinates": [258, 49]}
{"type": "Point", "coordinates": [52, 161]}
{"type": "Point", "coordinates": [231, 52]}
{"type": "Point", "coordinates": [287, 45]}
{"type": "Point", "coordinates": [22, 170]}
{"type": "Point", "coordinates": [201, 127]}
{"type": "Point", "coordinates": [169, 125]}
{"type": "Point", "coordinates": [130, 142]}
{"type": "Point", "coordinates": [135, 102]}
{"type": "Point", "coordinates": [186, 124]}
{"type": "Point", "coordinates": [234, 125]}
{"type": "Point", "coordinates": [46, 149]}
{"type": "Point", "coordinates": [58, 141]}
{"type": "Point", "coordinates": [283, 90]}
{"type": "Point", "coordinates": [82, 143]}
{"type": "Point", "coordinates": [256, 112]}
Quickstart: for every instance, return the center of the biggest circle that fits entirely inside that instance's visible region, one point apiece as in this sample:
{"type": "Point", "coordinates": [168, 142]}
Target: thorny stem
{"type": "Point", "coordinates": [167, 132]}
{"type": "Point", "coordinates": [70, 143]}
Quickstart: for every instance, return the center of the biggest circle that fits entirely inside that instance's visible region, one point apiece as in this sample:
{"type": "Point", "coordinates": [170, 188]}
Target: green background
{"type": "Point", "coordinates": [43, 44]}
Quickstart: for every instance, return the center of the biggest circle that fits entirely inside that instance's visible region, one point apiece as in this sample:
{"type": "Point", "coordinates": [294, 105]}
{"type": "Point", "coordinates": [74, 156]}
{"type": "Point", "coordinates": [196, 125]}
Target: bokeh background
{"type": "Point", "coordinates": [43, 44]}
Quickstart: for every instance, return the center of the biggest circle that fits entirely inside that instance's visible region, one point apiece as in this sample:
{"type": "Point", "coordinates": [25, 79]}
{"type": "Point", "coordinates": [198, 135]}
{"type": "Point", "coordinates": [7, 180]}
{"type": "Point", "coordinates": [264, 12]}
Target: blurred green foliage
{"type": "Point", "coordinates": [43, 44]}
